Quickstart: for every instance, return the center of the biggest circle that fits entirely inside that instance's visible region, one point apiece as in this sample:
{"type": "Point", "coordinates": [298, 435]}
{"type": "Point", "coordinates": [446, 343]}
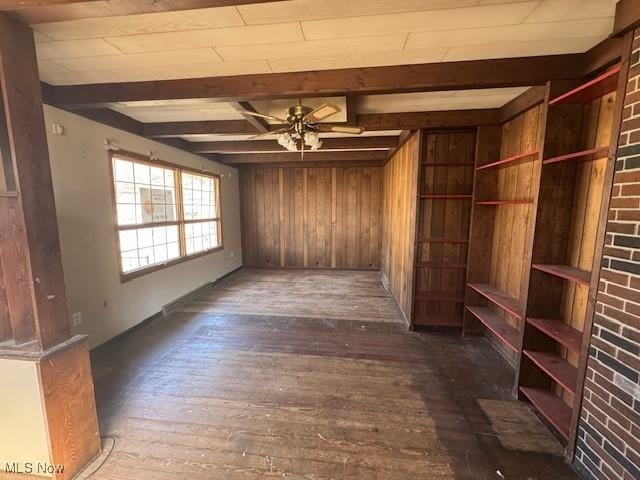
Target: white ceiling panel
{"type": "Point", "coordinates": [303, 35]}
{"type": "Point", "coordinates": [184, 20]}
{"type": "Point", "coordinates": [434, 101]}
{"type": "Point", "coordinates": [184, 112]}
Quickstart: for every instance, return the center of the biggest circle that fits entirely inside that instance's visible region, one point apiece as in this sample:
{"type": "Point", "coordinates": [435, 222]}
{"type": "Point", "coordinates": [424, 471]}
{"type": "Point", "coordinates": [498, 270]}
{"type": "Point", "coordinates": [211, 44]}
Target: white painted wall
{"type": "Point", "coordinates": [81, 183]}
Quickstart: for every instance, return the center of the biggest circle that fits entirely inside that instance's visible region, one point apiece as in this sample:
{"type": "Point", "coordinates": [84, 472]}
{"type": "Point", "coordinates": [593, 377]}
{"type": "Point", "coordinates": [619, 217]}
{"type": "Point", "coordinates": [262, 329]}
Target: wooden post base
{"type": "Point", "coordinates": [49, 424]}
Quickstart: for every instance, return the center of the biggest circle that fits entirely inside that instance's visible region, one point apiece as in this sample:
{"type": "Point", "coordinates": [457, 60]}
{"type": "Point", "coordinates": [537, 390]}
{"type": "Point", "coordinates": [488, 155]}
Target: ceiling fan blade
{"type": "Point", "coordinates": [266, 134]}
{"type": "Point", "coordinates": [322, 112]}
{"type": "Point", "coordinates": [340, 129]}
{"type": "Point", "coordinates": [256, 114]}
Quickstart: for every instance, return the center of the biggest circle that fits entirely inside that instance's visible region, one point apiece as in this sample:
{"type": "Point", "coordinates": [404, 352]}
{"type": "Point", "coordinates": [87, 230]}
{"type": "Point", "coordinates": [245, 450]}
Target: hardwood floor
{"type": "Point", "coordinates": [309, 389]}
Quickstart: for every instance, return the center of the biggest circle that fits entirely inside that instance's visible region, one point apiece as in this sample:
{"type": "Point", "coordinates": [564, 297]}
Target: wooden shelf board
{"type": "Point", "coordinates": [558, 330]}
{"type": "Point", "coordinates": [443, 240]}
{"type": "Point", "coordinates": [446, 196]}
{"type": "Point", "coordinates": [503, 202]}
{"type": "Point", "coordinates": [457, 297]}
{"type": "Point", "coordinates": [599, 86]}
{"type": "Point", "coordinates": [581, 277]}
{"type": "Point", "coordinates": [507, 160]}
{"type": "Point", "coordinates": [497, 326]}
{"type": "Point", "coordinates": [439, 321]}
{"type": "Point", "coordinates": [442, 164]}
{"type": "Point", "coordinates": [495, 296]}
{"type": "Point", "coordinates": [561, 371]}
{"type": "Point", "coordinates": [594, 153]}
{"type": "Point", "coordinates": [443, 266]}
{"type": "Point", "coordinates": [551, 407]}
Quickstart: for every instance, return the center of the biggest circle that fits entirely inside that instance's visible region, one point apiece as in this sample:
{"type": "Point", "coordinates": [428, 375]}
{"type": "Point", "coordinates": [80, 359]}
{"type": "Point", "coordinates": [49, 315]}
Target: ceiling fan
{"type": "Point", "coordinates": [302, 127]}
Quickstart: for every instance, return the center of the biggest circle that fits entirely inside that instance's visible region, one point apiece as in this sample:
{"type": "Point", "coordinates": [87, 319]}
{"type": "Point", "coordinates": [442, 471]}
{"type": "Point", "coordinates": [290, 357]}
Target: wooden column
{"type": "Point", "coordinates": [51, 409]}
{"type": "Point", "coordinates": [31, 261]}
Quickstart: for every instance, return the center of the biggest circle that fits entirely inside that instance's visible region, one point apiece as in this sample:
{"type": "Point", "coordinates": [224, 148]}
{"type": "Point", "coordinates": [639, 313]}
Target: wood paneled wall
{"type": "Point", "coordinates": [311, 217]}
{"type": "Point", "coordinates": [399, 221]}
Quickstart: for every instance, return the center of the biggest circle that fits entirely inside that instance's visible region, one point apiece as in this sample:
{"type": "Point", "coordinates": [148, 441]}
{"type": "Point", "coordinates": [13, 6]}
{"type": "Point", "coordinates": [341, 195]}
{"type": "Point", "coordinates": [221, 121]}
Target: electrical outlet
{"type": "Point", "coordinates": [76, 319]}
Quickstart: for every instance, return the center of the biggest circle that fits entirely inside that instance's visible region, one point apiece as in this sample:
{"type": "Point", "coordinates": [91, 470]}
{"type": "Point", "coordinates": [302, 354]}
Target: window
{"type": "Point", "coordinates": [164, 213]}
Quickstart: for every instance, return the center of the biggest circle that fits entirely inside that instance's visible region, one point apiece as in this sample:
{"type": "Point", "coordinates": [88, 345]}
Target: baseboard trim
{"type": "Point", "coordinates": [166, 309]}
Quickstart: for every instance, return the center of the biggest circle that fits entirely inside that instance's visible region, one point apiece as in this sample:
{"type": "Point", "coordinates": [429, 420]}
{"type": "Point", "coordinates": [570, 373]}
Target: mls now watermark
{"type": "Point", "coordinates": [37, 468]}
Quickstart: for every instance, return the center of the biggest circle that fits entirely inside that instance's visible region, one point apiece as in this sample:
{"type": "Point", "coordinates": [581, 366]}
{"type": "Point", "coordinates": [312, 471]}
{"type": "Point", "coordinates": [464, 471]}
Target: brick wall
{"type": "Point", "coordinates": [608, 445]}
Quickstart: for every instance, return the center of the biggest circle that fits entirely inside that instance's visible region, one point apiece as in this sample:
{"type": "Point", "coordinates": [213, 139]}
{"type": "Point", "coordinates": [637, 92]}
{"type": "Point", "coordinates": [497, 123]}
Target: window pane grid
{"type": "Point", "coordinates": [152, 229]}
{"type": "Point", "coordinates": [145, 194]}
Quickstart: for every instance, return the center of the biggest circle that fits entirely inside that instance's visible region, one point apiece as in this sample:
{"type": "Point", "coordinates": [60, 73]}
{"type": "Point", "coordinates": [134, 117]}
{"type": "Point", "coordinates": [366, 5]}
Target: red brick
{"type": "Point", "coordinates": [623, 140]}
{"type": "Point", "coordinates": [630, 320]}
{"type": "Point", "coordinates": [630, 361]}
{"type": "Point", "coordinates": [632, 308]}
{"type": "Point", "coordinates": [617, 252]}
{"type": "Point", "coordinates": [632, 98]}
{"type": "Point", "coordinates": [627, 413]}
{"type": "Point", "coordinates": [634, 282]}
{"type": "Point", "coordinates": [622, 292]}
{"type": "Point", "coordinates": [625, 202]}
{"type": "Point", "coordinates": [630, 123]}
{"type": "Point", "coordinates": [597, 389]}
{"type": "Point", "coordinates": [631, 334]}
{"type": "Point", "coordinates": [626, 114]}
{"type": "Point", "coordinates": [634, 137]}
{"type": "Point", "coordinates": [611, 301]}
{"type": "Point", "coordinates": [628, 190]}
{"type": "Point", "coordinates": [615, 277]}
{"type": "Point", "coordinates": [629, 215]}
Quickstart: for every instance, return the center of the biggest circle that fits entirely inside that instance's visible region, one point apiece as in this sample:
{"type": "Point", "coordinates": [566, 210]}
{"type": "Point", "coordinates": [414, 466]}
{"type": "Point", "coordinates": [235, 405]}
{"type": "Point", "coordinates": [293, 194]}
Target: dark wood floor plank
{"type": "Point", "coordinates": [255, 380]}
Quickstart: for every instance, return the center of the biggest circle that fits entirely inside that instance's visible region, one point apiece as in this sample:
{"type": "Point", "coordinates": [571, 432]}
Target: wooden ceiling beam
{"type": "Point", "coordinates": [178, 129]}
{"type": "Point", "coordinates": [313, 164]}
{"type": "Point", "coordinates": [370, 122]}
{"type": "Point", "coordinates": [436, 119]}
{"type": "Point", "coordinates": [43, 11]}
{"type": "Point", "coordinates": [250, 146]}
{"type": "Point", "coordinates": [506, 72]}
{"type": "Point", "coordinates": [627, 17]}
{"type": "Point", "coordinates": [319, 156]}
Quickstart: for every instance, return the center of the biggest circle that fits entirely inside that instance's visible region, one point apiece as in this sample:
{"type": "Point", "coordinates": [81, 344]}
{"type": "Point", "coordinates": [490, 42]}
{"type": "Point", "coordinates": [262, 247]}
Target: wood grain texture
{"type": "Point", "coordinates": [33, 277]}
{"type": "Point", "coordinates": [453, 155]}
{"type": "Point", "coordinates": [311, 217]}
{"type": "Point", "coordinates": [399, 212]}
{"type": "Point", "coordinates": [69, 403]}
{"type": "Point", "coordinates": [569, 233]}
{"type": "Point", "coordinates": [507, 72]}
{"type": "Point", "coordinates": [249, 397]}
{"type": "Point", "coordinates": [502, 235]}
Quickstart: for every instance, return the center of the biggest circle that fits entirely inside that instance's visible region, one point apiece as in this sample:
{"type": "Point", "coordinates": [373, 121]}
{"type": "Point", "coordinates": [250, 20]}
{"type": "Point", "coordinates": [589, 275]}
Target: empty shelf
{"type": "Point", "coordinates": [503, 202]}
{"type": "Point", "coordinates": [510, 304]}
{"type": "Point", "coordinates": [446, 196]}
{"type": "Point", "coordinates": [599, 86]}
{"type": "Point", "coordinates": [594, 153]}
{"type": "Point", "coordinates": [442, 240]}
{"type": "Point", "coordinates": [561, 371]}
{"type": "Point", "coordinates": [550, 407]}
{"type": "Point", "coordinates": [558, 330]}
{"type": "Point", "coordinates": [573, 274]}
{"type": "Point", "coordinates": [457, 297]}
{"type": "Point", "coordinates": [442, 266]}
{"type": "Point", "coordinates": [501, 329]}
{"type": "Point", "coordinates": [507, 160]}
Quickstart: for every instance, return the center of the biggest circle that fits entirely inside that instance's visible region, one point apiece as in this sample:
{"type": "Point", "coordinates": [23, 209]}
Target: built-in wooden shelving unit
{"type": "Point", "coordinates": [508, 159]}
{"type": "Point", "coordinates": [567, 246]}
{"type": "Point", "coordinates": [444, 212]}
